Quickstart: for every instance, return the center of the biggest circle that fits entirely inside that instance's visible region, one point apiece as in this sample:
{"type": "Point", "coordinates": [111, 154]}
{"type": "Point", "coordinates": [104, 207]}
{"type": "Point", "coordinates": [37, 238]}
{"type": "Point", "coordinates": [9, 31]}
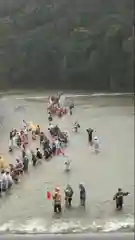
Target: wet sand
{"type": "Point", "coordinates": [27, 208]}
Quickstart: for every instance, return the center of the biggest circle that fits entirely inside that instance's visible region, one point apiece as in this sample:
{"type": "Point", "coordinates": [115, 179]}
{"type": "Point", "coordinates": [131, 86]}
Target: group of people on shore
{"type": "Point", "coordinates": [51, 147]}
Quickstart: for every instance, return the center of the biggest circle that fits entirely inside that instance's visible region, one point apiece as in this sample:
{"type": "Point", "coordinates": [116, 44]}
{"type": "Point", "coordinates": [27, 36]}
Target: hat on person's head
{"type": "Point", "coordinates": [57, 189]}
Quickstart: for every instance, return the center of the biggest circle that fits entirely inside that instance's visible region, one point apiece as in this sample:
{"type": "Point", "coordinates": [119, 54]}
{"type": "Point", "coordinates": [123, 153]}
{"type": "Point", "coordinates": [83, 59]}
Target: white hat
{"type": "Point", "coordinates": [57, 189]}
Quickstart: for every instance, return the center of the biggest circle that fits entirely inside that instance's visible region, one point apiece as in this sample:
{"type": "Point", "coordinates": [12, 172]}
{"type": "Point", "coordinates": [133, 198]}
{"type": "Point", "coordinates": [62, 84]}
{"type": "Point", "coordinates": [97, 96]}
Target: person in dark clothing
{"type": "Point", "coordinates": [3, 184]}
{"type": "Point", "coordinates": [90, 133]}
{"type": "Point", "coordinates": [53, 148]}
{"type": "Point", "coordinates": [34, 159]}
{"type": "Point", "coordinates": [10, 148]}
{"type": "Point", "coordinates": [2, 188]}
{"type": "Point", "coordinates": [48, 153]}
{"type": "Point", "coordinates": [23, 153]}
{"type": "Point", "coordinates": [118, 197]}
{"type": "Point", "coordinates": [11, 141]}
{"type": "Point", "coordinates": [18, 140]}
{"type": "Point", "coordinates": [11, 135]}
{"type": "Point", "coordinates": [42, 137]}
{"type": "Point", "coordinates": [39, 154]}
{"type": "Point", "coordinates": [14, 175]}
{"type": "Point", "coordinates": [25, 164]}
{"type": "Point", "coordinates": [54, 131]}
{"type": "Point", "coordinates": [45, 143]}
{"type": "Point", "coordinates": [50, 117]}
{"type": "Point", "coordinates": [76, 126]}
{"type": "Point", "coordinates": [71, 106]}
{"type": "Point", "coordinates": [68, 195]}
{"type": "Point", "coordinates": [18, 167]}
{"type": "Point", "coordinates": [82, 195]}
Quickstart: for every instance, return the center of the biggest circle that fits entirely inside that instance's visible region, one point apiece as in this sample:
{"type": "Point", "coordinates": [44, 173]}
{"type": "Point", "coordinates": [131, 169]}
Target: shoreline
{"type": "Point", "coordinates": [96, 236]}
{"type": "Point", "coordinates": [66, 92]}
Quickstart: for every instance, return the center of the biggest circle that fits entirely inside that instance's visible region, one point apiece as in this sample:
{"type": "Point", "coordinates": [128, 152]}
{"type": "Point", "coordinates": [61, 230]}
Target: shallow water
{"type": "Point", "coordinates": [26, 208]}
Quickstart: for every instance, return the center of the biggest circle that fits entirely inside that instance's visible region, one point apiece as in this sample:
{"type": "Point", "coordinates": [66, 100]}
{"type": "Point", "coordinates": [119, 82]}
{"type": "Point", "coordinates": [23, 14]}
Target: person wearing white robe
{"type": "Point", "coordinates": [96, 144]}
{"type": "Point", "coordinates": [67, 164]}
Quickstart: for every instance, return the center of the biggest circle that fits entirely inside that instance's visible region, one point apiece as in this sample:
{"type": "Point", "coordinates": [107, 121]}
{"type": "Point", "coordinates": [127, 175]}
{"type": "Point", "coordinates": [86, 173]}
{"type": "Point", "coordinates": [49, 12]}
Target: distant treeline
{"type": "Point", "coordinates": [67, 44]}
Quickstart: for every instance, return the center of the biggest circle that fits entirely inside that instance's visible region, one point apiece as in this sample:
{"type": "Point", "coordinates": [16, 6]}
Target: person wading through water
{"type": "Point", "coordinates": [76, 127]}
{"type": "Point", "coordinates": [50, 117]}
{"type": "Point", "coordinates": [42, 137]}
{"type": "Point", "coordinates": [68, 195]}
{"type": "Point", "coordinates": [118, 197]}
{"type": "Point", "coordinates": [57, 201]}
{"type": "Point", "coordinates": [11, 141]}
{"type": "Point", "coordinates": [37, 130]}
{"type": "Point", "coordinates": [33, 158]}
{"type": "Point", "coordinates": [96, 144]}
{"type": "Point", "coordinates": [39, 154]}
{"type": "Point", "coordinates": [82, 195]}
{"type": "Point", "coordinates": [67, 165]}
{"type": "Point", "coordinates": [90, 137]}
{"type": "Point", "coordinates": [25, 164]}
{"type": "Point", "coordinates": [71, 106]}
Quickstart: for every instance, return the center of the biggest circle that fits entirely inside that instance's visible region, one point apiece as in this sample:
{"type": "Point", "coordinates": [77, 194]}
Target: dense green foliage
{"type": "Point", "coordinates": [71, 44]}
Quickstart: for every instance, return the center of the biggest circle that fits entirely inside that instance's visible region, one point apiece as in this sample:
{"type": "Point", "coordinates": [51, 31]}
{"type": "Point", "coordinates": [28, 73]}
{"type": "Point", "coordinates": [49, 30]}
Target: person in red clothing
{"type": "Point", "coordinates": [48, 195]}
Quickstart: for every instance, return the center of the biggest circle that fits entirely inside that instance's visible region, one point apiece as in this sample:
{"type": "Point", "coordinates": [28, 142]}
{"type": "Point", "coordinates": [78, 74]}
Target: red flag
{"type": "Point", "coordinates": [48, 195]}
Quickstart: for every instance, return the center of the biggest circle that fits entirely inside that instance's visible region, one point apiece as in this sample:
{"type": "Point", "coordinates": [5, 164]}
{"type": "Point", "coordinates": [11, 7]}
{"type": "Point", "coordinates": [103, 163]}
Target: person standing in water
{"type": "Point", "coordinates": [57, 201]}
{"type": "Point", "coordinates": [58, 147]}
{"type": "Point", "coordinates": [42, 137]}
{"type": "Point", "coordinates": [67, 165]}
{"type": "Point", "coordinates": [118, 197]}
{"type": "Point", "coordinates": [90, 135]}
{"type": "Point", "coordinates": [23, 152]}
{"type": "Point", "coordinates": [25, 135]}
{"type": "Point", "coordinates": [4, 181]}
{"type": "Point", "coordinates": [33, 158]}
{"type": "Point", "coordinates": [11, 141]}
{"type": "Point", "coordinates": [50, 119]}
{"type": "Point", "coordinates": [76, 127]}
{"type": "Point", "coordinates": [39, 154]}
{"type": "Point", "coordinates": [25, 164]}
{"type": "Point", "coordinates": [53, 147]}
{"type": "Point", "coordinates": [82, 194]}
{"type": "Point", "coordinates": [96, 144]}
{"type": "Point", "coordinates": [9, 179]}
{"type": "Point", "coordinates": [71, 106]}
{"type": "Point", "coordinates": [68, 195]}
{"type": "Point", "coordinates": [38, 130]}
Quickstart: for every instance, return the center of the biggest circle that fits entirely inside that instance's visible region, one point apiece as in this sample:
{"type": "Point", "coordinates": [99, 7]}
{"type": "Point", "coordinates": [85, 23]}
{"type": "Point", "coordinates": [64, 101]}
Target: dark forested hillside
{"type": "Point", "coordinates": [67, 44]}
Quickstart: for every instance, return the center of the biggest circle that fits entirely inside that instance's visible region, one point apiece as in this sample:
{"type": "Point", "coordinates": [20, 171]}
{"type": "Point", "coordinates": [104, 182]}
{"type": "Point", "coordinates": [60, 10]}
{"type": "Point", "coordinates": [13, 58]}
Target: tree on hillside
{"type": "Point", "coordinates": [84, 44]}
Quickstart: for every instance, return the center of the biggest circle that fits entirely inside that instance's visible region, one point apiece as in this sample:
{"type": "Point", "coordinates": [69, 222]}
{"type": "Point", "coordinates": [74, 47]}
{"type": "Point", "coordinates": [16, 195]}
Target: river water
{"type": "Point", "coordinates": [26, 209]}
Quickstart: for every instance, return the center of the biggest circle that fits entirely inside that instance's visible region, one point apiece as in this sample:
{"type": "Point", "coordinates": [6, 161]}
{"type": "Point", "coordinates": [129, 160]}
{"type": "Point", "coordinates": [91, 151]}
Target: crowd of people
{"type": "Point", "coordinates": [49, 147]}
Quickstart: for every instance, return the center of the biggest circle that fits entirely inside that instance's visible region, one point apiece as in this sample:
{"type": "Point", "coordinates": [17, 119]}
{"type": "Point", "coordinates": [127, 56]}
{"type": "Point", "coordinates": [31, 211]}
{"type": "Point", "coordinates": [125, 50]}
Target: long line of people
{"type": "Point", "coordinates": [20, 139]}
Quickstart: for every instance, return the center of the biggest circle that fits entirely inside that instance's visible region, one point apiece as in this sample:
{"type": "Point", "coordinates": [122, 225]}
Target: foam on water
{"type": "Point", "coordinates": [61, 226]}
